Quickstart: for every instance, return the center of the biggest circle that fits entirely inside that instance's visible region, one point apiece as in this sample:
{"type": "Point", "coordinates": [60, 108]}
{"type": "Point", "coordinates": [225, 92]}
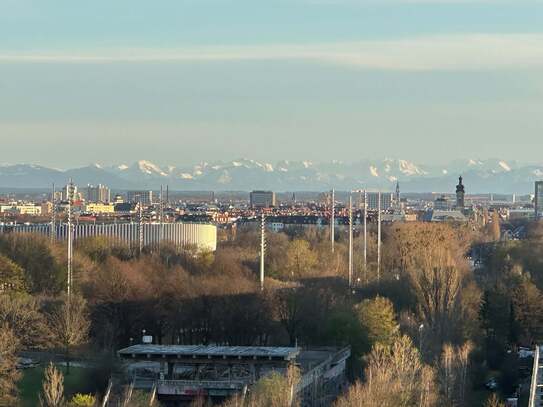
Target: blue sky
{"type": "Point", "coordinates": [189, 80]}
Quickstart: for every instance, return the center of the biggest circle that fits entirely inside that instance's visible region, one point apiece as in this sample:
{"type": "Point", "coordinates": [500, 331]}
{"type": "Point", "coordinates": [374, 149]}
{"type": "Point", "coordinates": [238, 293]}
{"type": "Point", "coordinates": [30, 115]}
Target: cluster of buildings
{"type": "Point", "coordinates": [97, 205]}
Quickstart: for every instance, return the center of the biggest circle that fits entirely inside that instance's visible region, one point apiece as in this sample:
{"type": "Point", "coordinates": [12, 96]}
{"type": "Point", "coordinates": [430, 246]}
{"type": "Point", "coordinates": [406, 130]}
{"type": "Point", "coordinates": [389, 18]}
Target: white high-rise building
{"type": "Point", "coordinates": [99, 193]}
{"type": "Point", "coordinates": [386, 200]}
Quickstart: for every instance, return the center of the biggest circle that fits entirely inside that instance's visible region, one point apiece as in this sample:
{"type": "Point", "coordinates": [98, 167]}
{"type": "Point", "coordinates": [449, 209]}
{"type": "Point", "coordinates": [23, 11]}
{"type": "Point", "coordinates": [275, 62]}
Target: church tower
{"type": "Point", "coordinates": [460, 194]}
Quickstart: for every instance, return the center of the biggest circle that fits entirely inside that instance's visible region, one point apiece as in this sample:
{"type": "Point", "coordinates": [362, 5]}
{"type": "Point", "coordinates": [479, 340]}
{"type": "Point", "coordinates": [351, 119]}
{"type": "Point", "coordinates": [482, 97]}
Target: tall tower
{"type": "Point", "coordinates": [460, 194]}
{"type": "Point", "coordinates": [397, 197]}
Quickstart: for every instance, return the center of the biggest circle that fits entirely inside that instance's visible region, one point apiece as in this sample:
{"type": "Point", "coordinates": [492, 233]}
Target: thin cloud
{"type": "Point", "coordinates": [437, 2]}
{"type": "Point", "coordinates": [452, 52]}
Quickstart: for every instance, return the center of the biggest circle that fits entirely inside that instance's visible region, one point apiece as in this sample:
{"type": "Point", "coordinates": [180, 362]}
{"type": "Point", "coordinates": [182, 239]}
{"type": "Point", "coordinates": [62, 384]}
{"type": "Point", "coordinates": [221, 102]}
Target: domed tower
{"type": "Point", "coordinates": [460, 194]}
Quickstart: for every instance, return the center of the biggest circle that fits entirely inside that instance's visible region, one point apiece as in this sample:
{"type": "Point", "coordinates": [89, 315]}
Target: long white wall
{"type": "Point", "coordinates": [202, 236]}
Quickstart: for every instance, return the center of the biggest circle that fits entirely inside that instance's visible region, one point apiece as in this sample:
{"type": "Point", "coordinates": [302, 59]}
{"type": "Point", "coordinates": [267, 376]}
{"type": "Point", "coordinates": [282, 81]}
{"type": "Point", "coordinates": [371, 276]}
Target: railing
{"type": "Point", "coordinates": [533, 387]}
{"type": "Point", "coordinates": [209, 384]}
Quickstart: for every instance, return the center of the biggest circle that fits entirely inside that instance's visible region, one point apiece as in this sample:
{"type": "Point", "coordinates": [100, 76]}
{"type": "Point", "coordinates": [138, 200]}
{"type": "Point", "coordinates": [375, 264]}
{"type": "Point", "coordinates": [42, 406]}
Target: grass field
{"type": "Point", "coordinates": [31, 382]}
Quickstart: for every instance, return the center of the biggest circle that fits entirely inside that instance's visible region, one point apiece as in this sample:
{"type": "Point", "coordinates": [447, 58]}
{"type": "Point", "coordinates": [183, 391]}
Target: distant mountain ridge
{"type": "Point", "coordinates": [493, 175]}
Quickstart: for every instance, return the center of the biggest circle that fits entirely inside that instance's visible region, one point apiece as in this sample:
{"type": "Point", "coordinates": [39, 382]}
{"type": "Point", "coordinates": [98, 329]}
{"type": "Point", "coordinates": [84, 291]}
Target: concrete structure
{"type": "Point", "coordinates": [99, 193]}
{"type": "Point", "coordinates": [536, 386]}
{"type": "Point", "coordinates": [262, 199]}
{"type": "Point", "coordinates": [520, 213]}
{"type": "Point", "coordinates": [201, 236]}
{"type": "Point", "coordinates": [21, 209]}
{"type": "Point", "coordinates": [538, 199]}
{"type": "Point", "coordinates": [145, 197]}
{"type": "Point", "coordinates": [387, 200]}
{"type": "Point", "coordinates": [444, 216]}
{"type": "Point", "coordinates": [100, 208]}
{"type": "Point", "coordinates": [182, 372]}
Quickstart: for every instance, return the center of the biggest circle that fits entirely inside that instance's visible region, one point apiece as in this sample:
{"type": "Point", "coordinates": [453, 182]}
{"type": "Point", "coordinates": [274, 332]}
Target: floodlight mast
{"type": "Point", "coordinates": [70, 195]}
{"type": "Point", "coordinates": [262, 249]}
{"type": "Point", "coordinates": [350, 240]}
{"type": "Point", "coordinates": [333, 220]}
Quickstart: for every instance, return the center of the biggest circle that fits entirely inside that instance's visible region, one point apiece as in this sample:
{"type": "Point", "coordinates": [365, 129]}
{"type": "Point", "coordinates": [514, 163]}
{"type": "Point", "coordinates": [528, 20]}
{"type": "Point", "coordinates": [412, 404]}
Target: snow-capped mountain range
{"type": "Point", "coordinates": [493, 175]}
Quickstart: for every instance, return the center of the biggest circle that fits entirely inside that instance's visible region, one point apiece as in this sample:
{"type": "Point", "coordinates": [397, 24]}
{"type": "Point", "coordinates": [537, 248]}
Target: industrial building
{"type": "Point", "coordinates": [143, 197]}
{"type": "Point", "coordinates": [538, 199]}
{"type": "Point", "coordinates": [182, 372]}
{"type": "Point", "coordinates": [201, 236]}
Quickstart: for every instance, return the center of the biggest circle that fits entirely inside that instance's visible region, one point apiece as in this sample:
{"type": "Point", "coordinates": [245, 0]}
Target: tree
{"type": "Point", "coordinates": [438, 295]}
{"type": "Point", "coordinates": [493, 401]}
{"type": "Point", "coordinates": [52, 394]}
{"type": "Point", "coordinates": [23, 315]}
{"type": "Point", "coordinates": [82, 400]}
{"type": "Point", "coordinates": [33, 253]}
{"type": "Point", "coordinates": [11, 276]}
{"type": "Point", "coordinates": [276, 390]}
{"type": "Point", "coordinates": [378, 319]}
{"type": "Point", "coordinates": [395, 376]}
{"type": "Point", "coordinates": [300, 259]}
{"type": "Point", "coordinates": [453, 374]}
{"type": "Point", "coordinates": [528, 310]}
{"type": "Point", "coordinates": [496, 230]}
{"type": "Point", "coordinates": [70, 324]}
{"type": "Point", "coordinates": [9, 375]}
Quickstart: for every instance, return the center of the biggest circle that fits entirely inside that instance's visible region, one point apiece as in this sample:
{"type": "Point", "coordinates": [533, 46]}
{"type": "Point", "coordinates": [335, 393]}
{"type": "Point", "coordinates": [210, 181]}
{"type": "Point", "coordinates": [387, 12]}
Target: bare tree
{"type": "Point", "coordinates": [437, 290]}
{"type": "Point", "coordinates": [52, 394]}
{"type": "Point", "coordinates": [493, 401]}
{"type": "Point", "coordinates": [453, 373]}
{"type": "Point", "coordinates": [9, 375]}
{"type": "Point", "coordinates": [395, 376]}
{"type": "Point", "coordinates": [70, 324]}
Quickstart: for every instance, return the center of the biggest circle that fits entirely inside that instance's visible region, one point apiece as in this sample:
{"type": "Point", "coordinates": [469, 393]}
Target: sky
{"type": "Point", "coordinates": [183, 81]}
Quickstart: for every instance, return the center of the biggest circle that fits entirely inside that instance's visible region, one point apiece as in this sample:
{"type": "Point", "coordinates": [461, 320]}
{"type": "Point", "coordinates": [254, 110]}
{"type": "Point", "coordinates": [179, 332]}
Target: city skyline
{"type": "Point", "coordinates": [287, 79]}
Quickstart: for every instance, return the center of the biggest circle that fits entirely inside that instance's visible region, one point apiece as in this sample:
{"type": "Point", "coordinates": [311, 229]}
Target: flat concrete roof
{"type": "Point", "coordinates": [202, 351]}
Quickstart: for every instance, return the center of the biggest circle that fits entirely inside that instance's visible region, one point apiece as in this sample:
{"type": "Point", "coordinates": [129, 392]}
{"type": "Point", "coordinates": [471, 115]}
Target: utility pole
{"type": "Point", "coordinates": [333, 220]}
{"type": "Point", "coordinates": [140, 227]}
{"type": "Point", "coordinates": [350, 241]}
{"type": "Point", "coordinates": [53, 215]}
{"type": "Point", "coordinates": [262, 249]}
{"type": "Point", "coordinates": [366, 235]}
{"type": "Point", "coordinates": [70, 194]}
{"type": "Point", "coordinates": [379, 237]}
{"type": "Point", "coordinates": [161, 214]}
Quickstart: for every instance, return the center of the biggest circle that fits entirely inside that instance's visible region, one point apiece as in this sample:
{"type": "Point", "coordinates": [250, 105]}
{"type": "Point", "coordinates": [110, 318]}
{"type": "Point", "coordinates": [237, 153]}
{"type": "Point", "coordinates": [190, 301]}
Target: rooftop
{"type": "Point", "coordinates": [203, 351]}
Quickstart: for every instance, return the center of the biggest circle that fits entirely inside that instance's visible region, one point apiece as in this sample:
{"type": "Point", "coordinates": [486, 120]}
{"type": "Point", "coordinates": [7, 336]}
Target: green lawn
{"type": "Point", "coordinates": [31, 382]}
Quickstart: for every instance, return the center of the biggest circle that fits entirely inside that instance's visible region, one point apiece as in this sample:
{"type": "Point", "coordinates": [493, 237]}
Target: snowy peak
{"type": "Point", "coordinates": [147, 167]}
{"type": "Point", "coordinates": [492, 175]}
